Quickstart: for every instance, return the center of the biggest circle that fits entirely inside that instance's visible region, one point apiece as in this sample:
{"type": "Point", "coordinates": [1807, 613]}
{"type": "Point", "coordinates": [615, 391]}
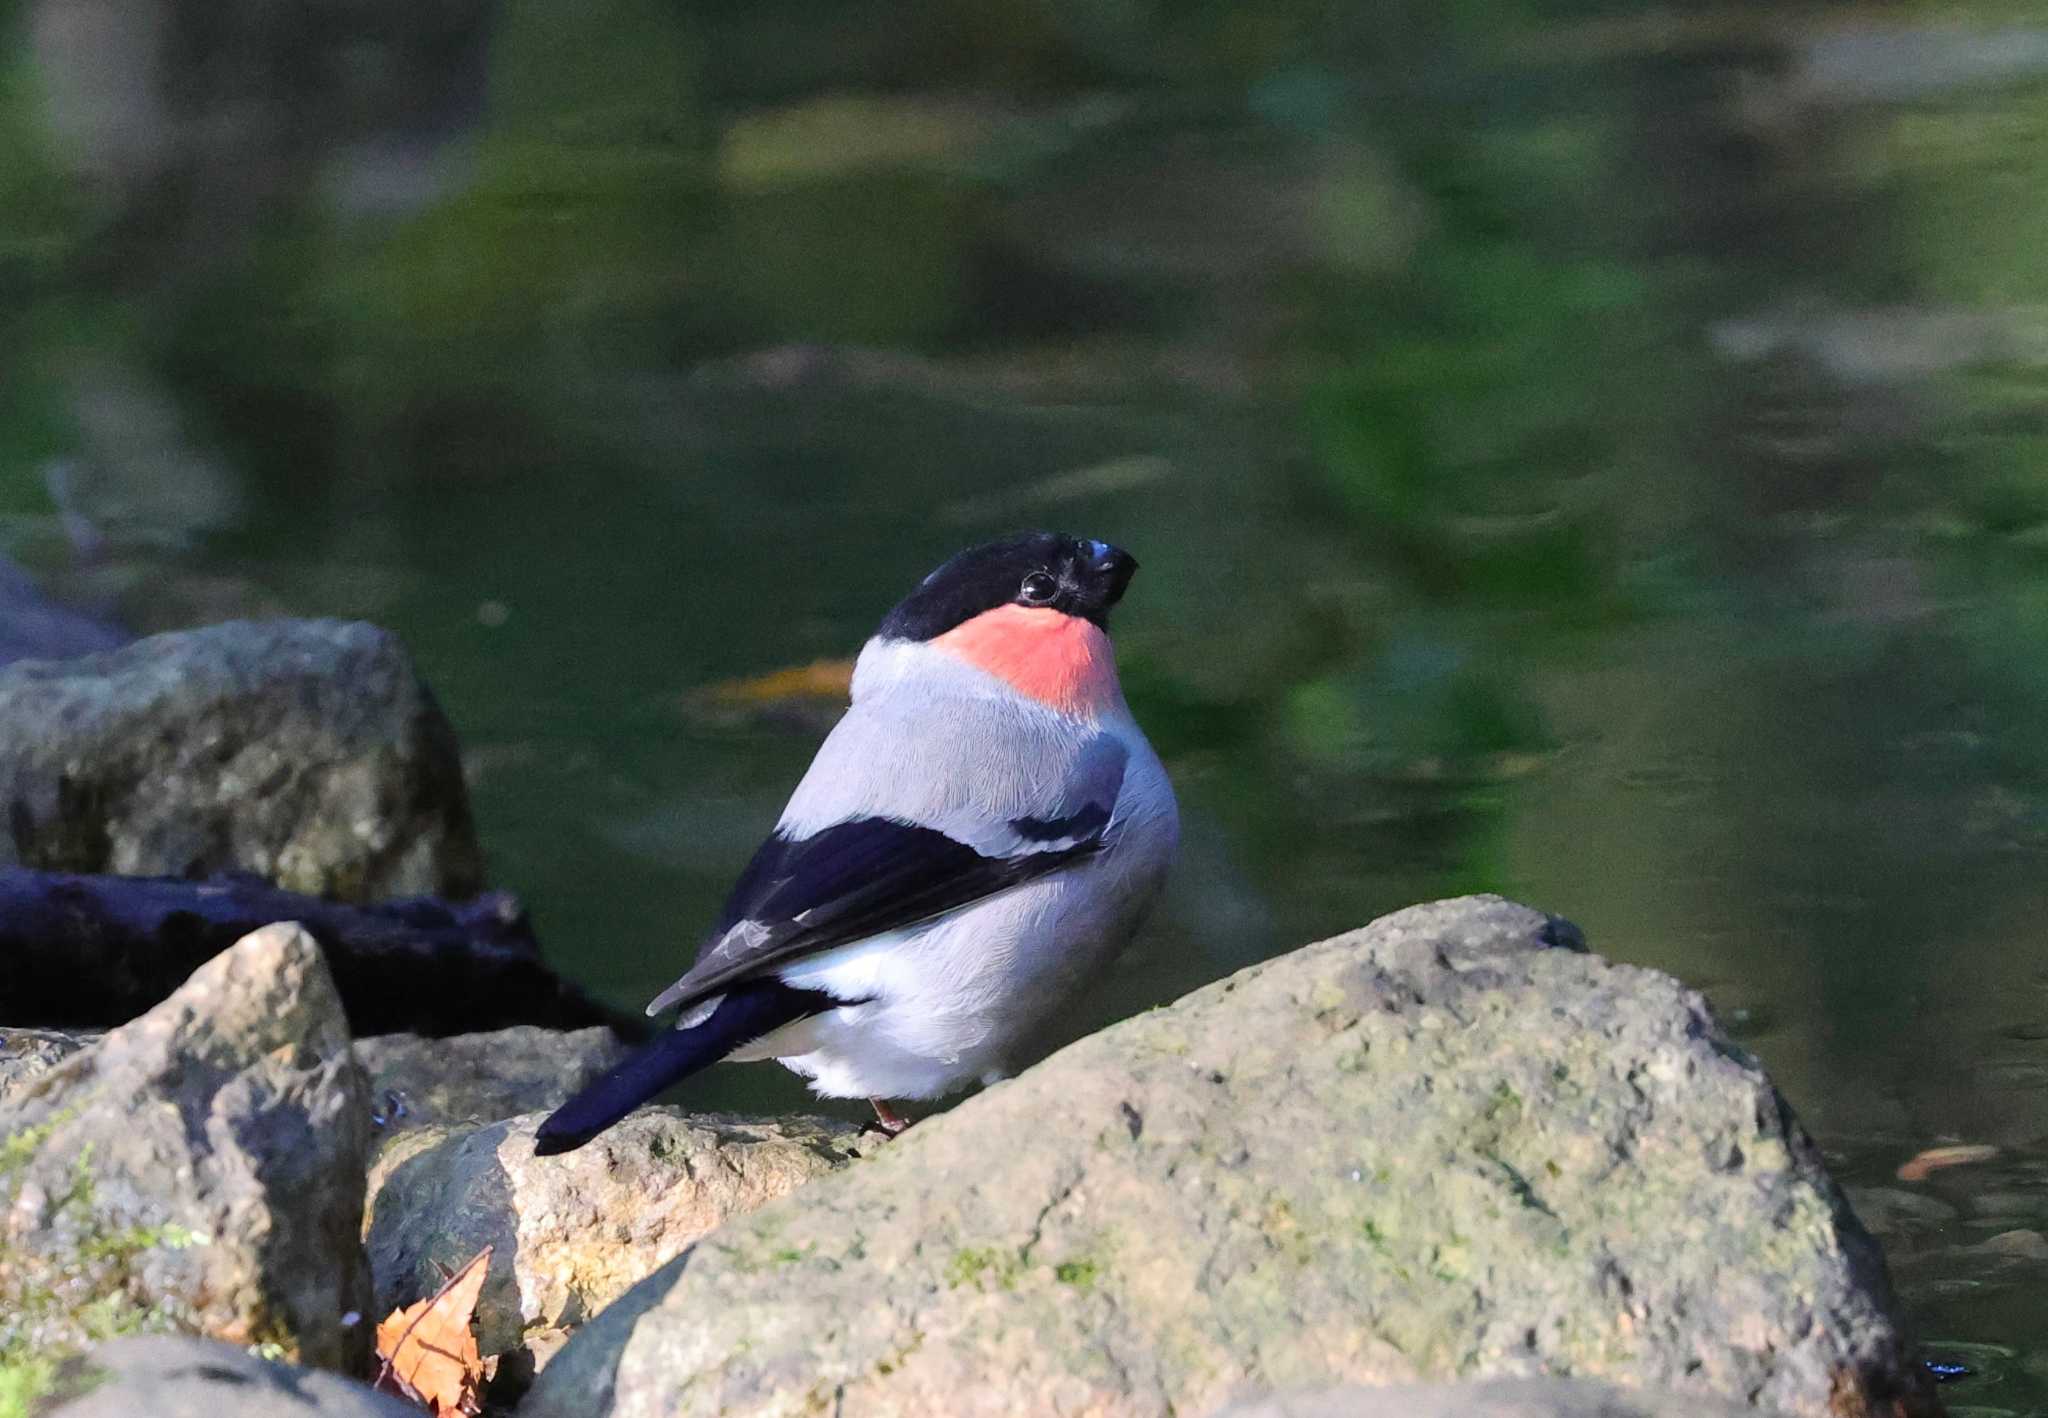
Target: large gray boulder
{"type": "Point", "coordinates": [570, 1234]}
{"type": "Point", "coordinates": [307, 752]}
{"type": "Point", "coordinates": [1495, 1398]}
{"type": "Point", "coordinates": [199, 1169]}
{"type": "Point", "coordinates": [1439, 1147]}
{"type": "Point", "coordinates": [162, 1376]}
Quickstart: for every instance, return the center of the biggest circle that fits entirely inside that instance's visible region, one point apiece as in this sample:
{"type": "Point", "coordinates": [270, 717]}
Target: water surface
{"type": "Point", "coordinates": [1589, 453]}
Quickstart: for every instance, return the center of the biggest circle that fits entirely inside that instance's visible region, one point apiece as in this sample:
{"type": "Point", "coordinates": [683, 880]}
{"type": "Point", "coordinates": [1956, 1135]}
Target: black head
{"type": "Point", "coordinates": [1036, 569]}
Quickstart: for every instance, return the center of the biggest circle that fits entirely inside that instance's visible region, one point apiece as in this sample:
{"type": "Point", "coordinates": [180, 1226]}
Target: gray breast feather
{"type": "Point", "coordinates": [997, 775]}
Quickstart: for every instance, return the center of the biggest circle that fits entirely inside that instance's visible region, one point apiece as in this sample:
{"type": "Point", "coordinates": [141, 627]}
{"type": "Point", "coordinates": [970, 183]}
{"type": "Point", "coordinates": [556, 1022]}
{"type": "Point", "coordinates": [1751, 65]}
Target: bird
{"type": "Point", "coordinates": [980, 834]}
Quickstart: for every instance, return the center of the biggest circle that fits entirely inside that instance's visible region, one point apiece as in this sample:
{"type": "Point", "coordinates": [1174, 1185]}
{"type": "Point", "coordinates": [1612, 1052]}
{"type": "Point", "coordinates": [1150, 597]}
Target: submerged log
{"type": "Point", "coordinates": [80, 951]}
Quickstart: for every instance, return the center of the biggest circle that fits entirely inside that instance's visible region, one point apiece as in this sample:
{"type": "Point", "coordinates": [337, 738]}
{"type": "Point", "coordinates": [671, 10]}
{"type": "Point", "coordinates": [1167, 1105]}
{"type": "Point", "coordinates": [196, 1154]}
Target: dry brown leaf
{"type": "Point", "coordinates": [1935, 1158]}
{"type": "Point", "coordinates": [429, 1349]}
{"type": "Point", "coordinates": [821, 679]}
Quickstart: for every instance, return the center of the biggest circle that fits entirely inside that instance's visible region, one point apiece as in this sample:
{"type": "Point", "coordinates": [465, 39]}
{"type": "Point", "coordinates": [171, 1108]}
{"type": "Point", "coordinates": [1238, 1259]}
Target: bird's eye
{"type": "Point", "coordinates": [1038, 588]}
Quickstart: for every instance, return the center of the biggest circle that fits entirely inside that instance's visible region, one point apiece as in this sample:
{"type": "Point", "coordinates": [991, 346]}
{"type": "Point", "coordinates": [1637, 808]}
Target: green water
{"type": "Point", "coordinates": [1585, 452]}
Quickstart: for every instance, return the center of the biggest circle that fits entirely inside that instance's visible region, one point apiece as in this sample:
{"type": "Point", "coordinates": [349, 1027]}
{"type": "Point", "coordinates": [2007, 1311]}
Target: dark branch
{"type": "Point", "coordinates": [95, 951]}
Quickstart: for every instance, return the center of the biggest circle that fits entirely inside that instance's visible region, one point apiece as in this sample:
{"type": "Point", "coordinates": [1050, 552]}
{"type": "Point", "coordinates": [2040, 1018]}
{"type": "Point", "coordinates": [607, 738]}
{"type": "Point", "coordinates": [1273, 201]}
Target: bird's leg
{"type": "Point", "coordinates": [887, 1118]}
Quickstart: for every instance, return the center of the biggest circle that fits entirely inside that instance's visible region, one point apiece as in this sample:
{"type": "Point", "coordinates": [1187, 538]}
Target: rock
{"type": "Point", "coordinates": [1995, 1259]}
{"type": "Point", "coordinates": [139, 476]}
{"type": "Point", "coordinates": [1440, 1147]}
{"type": "Point", "coordinates": [1989, 1205]}
{"type": "Point", "coordinates": [307, 752]}
{"type": "Point", "coordinates": [2013, 1246]}
{"type": "Point", "coordinates": [30, 1053]}
{"type": "Point", "coordinates": [199, 1169]}
{"type": "Point", "coordinates": [166, 1377]}
{"type": "Point", "coordinates": [1902, 64]}
{"type": "Point", "coordinates": [480, 1078]}
{"type": "Point", "coordinates": [1893, 1214]}
{"type": "Point", "coordinates": [1498, 1398]}
{"type": "Point", "coordinates": [1884, 345]}
{"type": "Point", "coordinates": [573, 1233]}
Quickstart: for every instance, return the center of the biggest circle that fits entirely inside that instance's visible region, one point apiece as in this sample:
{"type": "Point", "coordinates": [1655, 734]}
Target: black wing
{"type": "Point", "coordinates": [862, 877]}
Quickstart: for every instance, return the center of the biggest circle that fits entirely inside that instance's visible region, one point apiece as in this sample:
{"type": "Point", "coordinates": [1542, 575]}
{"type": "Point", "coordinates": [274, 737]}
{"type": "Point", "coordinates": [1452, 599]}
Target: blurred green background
{"type": "Point", "coordinates": [1591, 451]}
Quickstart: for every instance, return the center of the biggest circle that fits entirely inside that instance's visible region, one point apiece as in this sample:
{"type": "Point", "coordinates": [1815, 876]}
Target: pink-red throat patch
{"type": "Point", "coordinates": [1058, 659]}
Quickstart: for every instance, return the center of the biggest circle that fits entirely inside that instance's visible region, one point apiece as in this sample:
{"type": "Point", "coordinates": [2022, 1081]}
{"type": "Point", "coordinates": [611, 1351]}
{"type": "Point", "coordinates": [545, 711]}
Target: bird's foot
{"type": "Point", "coordinates": [887, 1121]}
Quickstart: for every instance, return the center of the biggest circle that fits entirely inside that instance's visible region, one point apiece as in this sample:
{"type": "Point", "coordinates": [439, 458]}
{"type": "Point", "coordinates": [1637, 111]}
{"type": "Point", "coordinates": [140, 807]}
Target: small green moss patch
{"type": "Point", "coordinates": [973, 1264]}
{"type": "Point", "coordinates": [56, 1299]}
{"type": "Point", "coordinates": [1081, 1274]}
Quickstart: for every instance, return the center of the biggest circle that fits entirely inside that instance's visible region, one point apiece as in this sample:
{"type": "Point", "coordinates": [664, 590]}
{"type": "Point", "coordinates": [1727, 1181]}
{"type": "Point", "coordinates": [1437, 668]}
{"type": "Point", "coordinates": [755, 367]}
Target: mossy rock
{"type": "Point", "coordinates": [1451, 1145]}
{"type": "Point", "coordinates": [199, 1170]}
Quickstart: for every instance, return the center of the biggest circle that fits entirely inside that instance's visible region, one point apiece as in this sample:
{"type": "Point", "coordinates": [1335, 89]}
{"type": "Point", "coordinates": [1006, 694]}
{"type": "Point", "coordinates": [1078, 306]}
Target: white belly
{"type": "Point", "coordinates": [953, 1001]}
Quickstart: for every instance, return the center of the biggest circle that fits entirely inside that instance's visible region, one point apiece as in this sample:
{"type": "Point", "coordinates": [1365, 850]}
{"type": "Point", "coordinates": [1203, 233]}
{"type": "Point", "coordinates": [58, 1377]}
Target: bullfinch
{"type": "Point", "coordinates": [982, 831]}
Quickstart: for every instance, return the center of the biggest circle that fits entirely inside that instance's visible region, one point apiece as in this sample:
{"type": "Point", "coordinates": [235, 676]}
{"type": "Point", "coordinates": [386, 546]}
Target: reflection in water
{"type": "Point", "coordinates": [1599, 459]}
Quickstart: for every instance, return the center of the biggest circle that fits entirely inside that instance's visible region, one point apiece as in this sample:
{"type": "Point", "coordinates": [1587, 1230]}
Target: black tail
{"type": "Point", "coordinates": [747, 1012]}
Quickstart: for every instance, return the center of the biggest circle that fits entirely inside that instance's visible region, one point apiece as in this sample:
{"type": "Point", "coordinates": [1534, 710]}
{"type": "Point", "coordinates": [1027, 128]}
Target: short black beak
{"type": "Point", "coordinates": [1115, 567]}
